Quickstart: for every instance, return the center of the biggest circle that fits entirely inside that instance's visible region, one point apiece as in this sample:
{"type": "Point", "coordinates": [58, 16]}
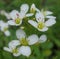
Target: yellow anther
{"type": "Point", "coordinates": [5, 29]}
{"type": "Point", "coordinates": [17, 20]}
{"type": "Point", "coordinates": [40, 25]}
{"type": "Point", "coordinates": [32, 10]}
{"type": "Point", "coordinates": [23, 41]}
{"type": "Point", "coordinates": [15, 50]}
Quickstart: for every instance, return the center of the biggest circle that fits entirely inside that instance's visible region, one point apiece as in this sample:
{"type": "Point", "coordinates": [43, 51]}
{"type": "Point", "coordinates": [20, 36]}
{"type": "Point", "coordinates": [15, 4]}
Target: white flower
{"type": "Point", "coordinates": [25, 41]}
{"type": "Point", "coordinates": [17, 17]}
{"type": "Point", "coordinates": [25, 50]}
{"type": "Point", "coordinates": [33, 8]}
{"type": "Point", "coordinates": [12, 48]}
{"type": "Point", "coordinates": [4, 28]}
{"type": "Point", "coordinates": [40, 22]}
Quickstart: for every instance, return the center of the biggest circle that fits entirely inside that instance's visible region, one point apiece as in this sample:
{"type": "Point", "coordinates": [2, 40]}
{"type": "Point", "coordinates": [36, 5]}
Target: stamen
{"type": "Point", "coordinates": [15, 50]}
{"type": "Point", "coordinates": [41, 25]}
{"type": "Point", "coordinates": [23, 41]}
{"type": "Point", "coordinates": [5, 28]}
{"type": "Point", "coordinates": [17, 20]}
{"type": "Point", "coordinates": [32, 10]}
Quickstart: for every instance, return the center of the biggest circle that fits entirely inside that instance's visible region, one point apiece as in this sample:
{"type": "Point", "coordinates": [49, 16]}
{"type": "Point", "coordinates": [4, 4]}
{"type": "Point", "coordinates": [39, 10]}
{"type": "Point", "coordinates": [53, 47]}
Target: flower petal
{"type": "Point", "coordinates": [25, 50]}
{"type": "Point", "coordinates": [37, 10]}
{"type": "Point", "coordinates": [14, 43]}
{"type": "Point", "coordinates": [22, 14]}
{"type": "Point", "coordinates": [33, 8]}
{"type": "Point", "coordinates": [51, 17]}
{"type": "Point", "coordinates": [13, 14]}
{"type": "Point", "coordinates": [42, 38]}
{"type": "Point", "coordinates": [50, 22]}
{"type": "Point", "coordinates": [7, 33]}
{"type": "Point", "coordinates": [11, 22]}
{"type": "Point", "coordinates": [33, 23]}
{"type": "Point", "coordinates": [44, 29]}
{"type": "Point", "coordinates": [3, 12]}
{"type": "Point", "coordinates": [3, 25]}
{"type": "Point", "coordinates": [48, 13]}
{"type": "Point", "coordinates": [20, 34]}
{"type": "Point", "coordinates": [32, 39]}
{"type": "Point", "coordinates": [7, 49]}
{"type": "Point", "coordinates": [1, 22]}
{"type": "Point", "coordinates": [39, 17]}
{"type": "Point", "coordinates": [30, 14]}
{"type": "Point", "coordinates": [24, 8]}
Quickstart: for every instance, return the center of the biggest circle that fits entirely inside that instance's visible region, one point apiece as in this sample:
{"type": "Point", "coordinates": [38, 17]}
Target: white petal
{"type": "Point", "coordinates": [50, 22]}
{"type": "Point", "coordinates": [25, 50]}
{"type": "Point", "coordinates": [48, 12]}
{"type": "Point", "coordinates": [20, 34]}
{"type": "Point", "coordinates": [3, 12]}
{"type": "Point", "coordinates": [44, 29]}
{"type": "Point", "coordinates": [33, 39]}
{"type": "Point", "coordinates": [14, 14]}
{"type": "Point", "coordinates": [14, 43]}
{"type": "Point", "coordinates": [37, 10]}
{"type": "Point", "coordinates": [1, 22]}
{"type": "Point", "coordinates": [11, 22]}
{"type": "Point", "coordinates": [17, 54]}
{"type": "Point", "coordinates": [42, 38]}
{"type": "Point", "coordinates": [7, 16]}
{"type": "Point", "coordinates": [22, 14]}
{"type": "Point", "coordinates": [24, 8]}
{"type": "Point", "coordinates": [7, 49]}
{"type": "Point", "coordinates": [7, 33]}
{"type": "Point", "coordinates": [3, 25]}
{"type": "Point", "coordinates": [33, 23]}
{"type": "Point", "coordinates": [39, 17]}
{"type": "Point", "coordinates": [30, 14]}
{"type": "Point", "coordinates": [51, 17]}
{"type": "Point", "coordinates": [33, 6]}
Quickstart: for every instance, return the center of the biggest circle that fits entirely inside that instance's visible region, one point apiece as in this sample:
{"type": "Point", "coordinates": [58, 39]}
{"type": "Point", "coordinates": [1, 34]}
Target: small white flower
{"type": "Point", "coordinates": [33, 8]}
{"type": "Point", "coordinates": [4, 28]}
{"type": "Point", "coordinates": [25, 50]}
{"type": "Point", "coordinates": [12, 48]}
{"type": "Point", "coordinates": [26, 41]}
{"type": "Point", "coordinates": [40, 22]}
{"type": "Point", "coordinates": [17, 17]}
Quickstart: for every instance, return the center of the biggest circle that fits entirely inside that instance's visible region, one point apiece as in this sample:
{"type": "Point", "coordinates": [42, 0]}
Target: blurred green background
{"type": "Point", "coordinates": [48, 50]}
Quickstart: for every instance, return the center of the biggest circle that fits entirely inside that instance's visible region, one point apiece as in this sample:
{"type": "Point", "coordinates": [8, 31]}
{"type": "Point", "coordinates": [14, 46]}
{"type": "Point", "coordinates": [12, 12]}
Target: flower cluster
{"type": "Point", "coordinates": [42, 21]}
